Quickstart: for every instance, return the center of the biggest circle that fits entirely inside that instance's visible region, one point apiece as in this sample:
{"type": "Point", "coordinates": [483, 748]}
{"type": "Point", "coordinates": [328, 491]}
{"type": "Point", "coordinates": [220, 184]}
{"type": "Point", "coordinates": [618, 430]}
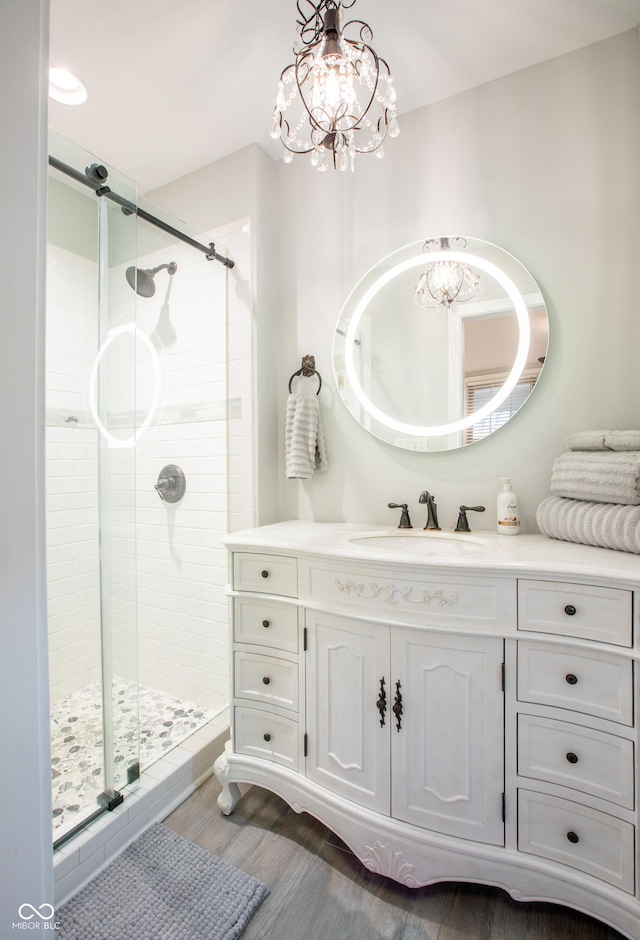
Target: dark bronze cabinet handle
{"type": "Point", "coordinates": [572, 758]}
{"type": "Point", "coordinates": [267, 736]}
{"type": "Point", "coordinates": [573, 837]}
{"type": "Point", "coordinates": [264, 573]}
{"type": "Point", "coordinates": [265, 623]}
{"type": "Point", "coordinates": [571, 679]}
{"type": "Point", "coordinates": [570, 610]}
{"type": "Point", "coordinates": [266, 680]}
{"type": "Point", "coordinates": [381, 704]}
{"type": "Point", "coordinates": [397, 706]}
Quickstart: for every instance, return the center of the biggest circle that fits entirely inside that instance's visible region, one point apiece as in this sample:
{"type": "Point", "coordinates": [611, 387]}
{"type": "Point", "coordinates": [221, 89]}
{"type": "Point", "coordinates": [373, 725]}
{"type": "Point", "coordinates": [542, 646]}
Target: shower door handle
{"type": "Point", "coordinates": [171, 484]}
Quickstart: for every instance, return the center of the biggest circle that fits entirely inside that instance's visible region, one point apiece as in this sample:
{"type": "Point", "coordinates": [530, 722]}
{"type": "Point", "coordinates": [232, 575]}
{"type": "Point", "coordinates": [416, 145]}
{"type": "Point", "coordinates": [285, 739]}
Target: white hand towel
{"type": "Point", "coordinates": [602, 477]}
{"type": "Point", "coordinates": [305, 451]}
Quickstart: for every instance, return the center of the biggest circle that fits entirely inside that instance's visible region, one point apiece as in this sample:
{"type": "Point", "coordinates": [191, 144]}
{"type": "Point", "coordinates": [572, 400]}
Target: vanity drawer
{"type": "Point", "coordinates": [265, 574]}
{"type": "Point", "coordinates": [266, 679]}
{"type": "Point", "coordinates": [265, 623]}
{"type": "Point", "coordinates": [263, 734]}
{"type": "Point", "coordinates": [588, 681]}
{"type": "Point", "coordinates": [584, 838]}
{"type": "Point", "coordinates": [574, 756]}
{"type": "Point", "coordinates": [593, 613]}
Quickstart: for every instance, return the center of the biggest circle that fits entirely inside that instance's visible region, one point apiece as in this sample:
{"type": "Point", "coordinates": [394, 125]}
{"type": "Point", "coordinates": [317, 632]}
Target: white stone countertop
{"type": "Point", "coordinates": [522, 555]}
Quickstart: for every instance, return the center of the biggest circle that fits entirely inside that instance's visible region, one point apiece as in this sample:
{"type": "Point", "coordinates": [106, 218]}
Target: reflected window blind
{"type": "Point", "coordinates": [481, 389]}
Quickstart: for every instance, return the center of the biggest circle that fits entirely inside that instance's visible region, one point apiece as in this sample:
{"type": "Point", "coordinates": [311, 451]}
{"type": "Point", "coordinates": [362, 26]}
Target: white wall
{"type": "Point", "coordinates": [544, 163]}
{"type": "Point", "coordinates": [25, 822]}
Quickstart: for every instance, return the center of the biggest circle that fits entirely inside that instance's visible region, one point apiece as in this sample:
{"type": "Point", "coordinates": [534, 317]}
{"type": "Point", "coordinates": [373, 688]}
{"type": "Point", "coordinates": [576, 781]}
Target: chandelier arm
{"type": "Point", "coordinates": [283, 138]}
{"type": "Point", "coordinates": [315, 17]}
{"type": "Point", "coordinates": [365, 32]}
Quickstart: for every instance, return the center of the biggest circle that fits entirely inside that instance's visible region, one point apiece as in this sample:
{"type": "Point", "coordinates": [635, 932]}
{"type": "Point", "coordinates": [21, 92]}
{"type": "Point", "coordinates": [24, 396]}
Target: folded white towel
{"type": "Point", "coordinates": [622, 440]}
{"type": "Point", "coordinates": [602, 477]}
{"type": "Point", "coordinates": [608, 526]}
{"type": "Point", "coordinates": [305, 451]}
{"type": "Point", "coordinates": [588, 440]}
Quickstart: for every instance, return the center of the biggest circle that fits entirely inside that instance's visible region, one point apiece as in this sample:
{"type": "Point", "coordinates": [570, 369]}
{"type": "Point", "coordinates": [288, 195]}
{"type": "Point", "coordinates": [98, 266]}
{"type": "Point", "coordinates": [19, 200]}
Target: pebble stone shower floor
{"type": "Point", "coordinates": [77, 741]}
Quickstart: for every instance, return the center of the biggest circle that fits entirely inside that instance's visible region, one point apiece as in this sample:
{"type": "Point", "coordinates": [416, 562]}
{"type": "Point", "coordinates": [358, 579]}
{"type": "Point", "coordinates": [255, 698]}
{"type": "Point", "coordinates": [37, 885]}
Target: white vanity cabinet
{"type": "Point", "coordinates": [465, 716]}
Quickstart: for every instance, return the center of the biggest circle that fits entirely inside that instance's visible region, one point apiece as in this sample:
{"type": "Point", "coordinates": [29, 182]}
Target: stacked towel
{"type": "Point", "coordinates": [587, 440]}
{"type": "Point", "coordinates": [305, 451]}
{"type": "Point", "coordinates": [601, 477]}
{"type": "Point", "coordinates": [602, 524]}
{"type": "Point", "coordinates": [604, 440]}
{"type": "Point", "coordinates": [596, 487]}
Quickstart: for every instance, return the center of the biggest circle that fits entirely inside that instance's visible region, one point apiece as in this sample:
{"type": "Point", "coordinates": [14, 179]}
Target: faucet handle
{"type": "Point", "coordinates": [405, 521]}
{"type": "Point", "coordinates": [463, 522]}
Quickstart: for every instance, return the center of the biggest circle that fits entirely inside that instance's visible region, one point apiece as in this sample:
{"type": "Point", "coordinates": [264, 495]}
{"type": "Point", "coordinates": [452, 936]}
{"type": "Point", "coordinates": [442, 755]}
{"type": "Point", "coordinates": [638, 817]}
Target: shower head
{"type": "Point", "coordinates": [142, 279]}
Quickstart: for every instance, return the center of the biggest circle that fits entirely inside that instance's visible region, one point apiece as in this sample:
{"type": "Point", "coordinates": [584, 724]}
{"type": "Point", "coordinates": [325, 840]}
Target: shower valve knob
{"type": "Point", "coordinates": [171, 484]}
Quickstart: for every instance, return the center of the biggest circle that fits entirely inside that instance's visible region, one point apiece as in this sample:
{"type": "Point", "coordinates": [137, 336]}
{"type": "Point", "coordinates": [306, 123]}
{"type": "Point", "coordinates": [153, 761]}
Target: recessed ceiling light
{"type": "Point", "coordinates": [65, 87]}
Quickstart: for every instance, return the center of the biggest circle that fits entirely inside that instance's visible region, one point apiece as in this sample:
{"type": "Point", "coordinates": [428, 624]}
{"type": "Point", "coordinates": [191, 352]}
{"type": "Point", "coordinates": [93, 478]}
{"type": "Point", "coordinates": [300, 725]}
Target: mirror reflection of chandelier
{"type": "Point", "coordinates": [444, 283]}
{"type": "Point", "coordinates": [338, 95]}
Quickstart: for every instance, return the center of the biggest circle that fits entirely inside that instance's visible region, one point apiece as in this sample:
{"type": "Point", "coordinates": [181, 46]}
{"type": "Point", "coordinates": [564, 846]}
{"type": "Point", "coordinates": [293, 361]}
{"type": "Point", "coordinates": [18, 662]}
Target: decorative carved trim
{"type": "Point", "coordinates": [391, 594]}
{"type": "Point", "coordinates": [382, 860]}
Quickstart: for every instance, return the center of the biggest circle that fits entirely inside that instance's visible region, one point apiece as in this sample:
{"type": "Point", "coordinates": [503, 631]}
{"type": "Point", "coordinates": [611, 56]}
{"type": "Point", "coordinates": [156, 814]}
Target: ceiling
{"type": "Point", "coordinates": [177, 84]}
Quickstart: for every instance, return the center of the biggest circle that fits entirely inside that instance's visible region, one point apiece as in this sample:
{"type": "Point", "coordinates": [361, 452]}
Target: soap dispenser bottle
{"type": "Point", "coordinates": [508, 509]}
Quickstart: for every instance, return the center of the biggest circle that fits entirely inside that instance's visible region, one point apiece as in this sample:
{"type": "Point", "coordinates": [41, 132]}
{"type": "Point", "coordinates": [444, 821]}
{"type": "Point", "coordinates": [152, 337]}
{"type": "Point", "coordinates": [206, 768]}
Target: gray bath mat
{"type": "Point", "coordinates": [162, 888]}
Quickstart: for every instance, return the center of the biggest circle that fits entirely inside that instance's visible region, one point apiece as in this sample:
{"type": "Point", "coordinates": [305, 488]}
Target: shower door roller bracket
{"type": "Point", "coordinates": [171, 484]}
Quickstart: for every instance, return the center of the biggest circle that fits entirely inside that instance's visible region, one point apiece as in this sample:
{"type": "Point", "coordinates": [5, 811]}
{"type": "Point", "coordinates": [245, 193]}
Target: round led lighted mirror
{"type": "Point", "coordinates": [439, 377]}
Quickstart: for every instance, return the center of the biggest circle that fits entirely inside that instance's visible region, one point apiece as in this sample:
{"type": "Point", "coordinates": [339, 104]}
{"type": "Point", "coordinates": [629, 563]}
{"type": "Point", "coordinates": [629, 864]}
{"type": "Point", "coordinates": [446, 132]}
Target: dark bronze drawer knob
{"type": "Point", "coordinates": [571, 679]}
{"type": "Point", "coordinates": [266, 680]}
{"type": "Point", "coordinates": [265, 623]}
{"type": "Point", "coordinates": [572, 758]}
{"type": "Point", "coordinates": [264, 573]}
{"type": "Point", "coordinates": [573, 837]}
{"type": "Point", "coordinates": [267, 736]}
{"type": "Point", "coordinates": [570, 610]}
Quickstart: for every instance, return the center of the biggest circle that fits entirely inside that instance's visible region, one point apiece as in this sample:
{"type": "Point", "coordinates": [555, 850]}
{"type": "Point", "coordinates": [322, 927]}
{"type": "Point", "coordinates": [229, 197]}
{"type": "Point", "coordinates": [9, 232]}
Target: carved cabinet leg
{"type": "Point", "coordinates": [228, 799]}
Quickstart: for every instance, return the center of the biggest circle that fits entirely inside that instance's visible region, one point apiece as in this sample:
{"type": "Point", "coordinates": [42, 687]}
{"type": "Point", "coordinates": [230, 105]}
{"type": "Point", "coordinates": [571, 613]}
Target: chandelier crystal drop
{"type": "Point", "coordinates": [337, 99]}
{"type": "Point", "coordinates": [444, 283]}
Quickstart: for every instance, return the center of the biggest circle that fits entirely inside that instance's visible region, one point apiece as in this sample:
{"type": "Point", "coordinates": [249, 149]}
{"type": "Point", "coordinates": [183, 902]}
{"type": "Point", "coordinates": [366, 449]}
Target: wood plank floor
{"type": "Point", "coordinates": [320, 891]}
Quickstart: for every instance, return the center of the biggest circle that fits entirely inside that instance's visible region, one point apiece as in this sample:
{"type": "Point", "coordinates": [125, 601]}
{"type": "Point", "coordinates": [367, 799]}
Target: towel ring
{"type": "Point", "coordinates": [307, 369]}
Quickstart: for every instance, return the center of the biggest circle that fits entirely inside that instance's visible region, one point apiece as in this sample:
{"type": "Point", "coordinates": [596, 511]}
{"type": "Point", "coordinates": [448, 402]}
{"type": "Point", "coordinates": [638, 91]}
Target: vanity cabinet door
{"type": "Point", "coordinates": [448, 754]}
{"type": "Point", "coordinates": [348, 748]}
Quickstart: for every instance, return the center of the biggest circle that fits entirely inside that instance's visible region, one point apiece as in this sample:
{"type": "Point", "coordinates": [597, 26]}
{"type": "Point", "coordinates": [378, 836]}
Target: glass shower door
{"type": "Point", "coordinates": [91, 417]}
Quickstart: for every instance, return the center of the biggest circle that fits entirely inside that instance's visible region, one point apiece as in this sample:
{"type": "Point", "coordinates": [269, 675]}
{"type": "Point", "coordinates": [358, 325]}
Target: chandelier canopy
{"type": "Point", "coordinates": [337, 99]}
{"type": "Point", "coordinates": [444, 283]}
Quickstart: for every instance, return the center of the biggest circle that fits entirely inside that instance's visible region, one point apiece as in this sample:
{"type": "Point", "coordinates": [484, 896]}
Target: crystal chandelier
{"type": "Point", "coordinates": [444, 283]}
{"type": "Point", "coordinates": [337, 99]}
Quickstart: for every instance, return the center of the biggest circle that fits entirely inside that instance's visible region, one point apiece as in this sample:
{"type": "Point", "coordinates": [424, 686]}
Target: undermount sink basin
{"type": "Point", "coordinates": [419, 543]}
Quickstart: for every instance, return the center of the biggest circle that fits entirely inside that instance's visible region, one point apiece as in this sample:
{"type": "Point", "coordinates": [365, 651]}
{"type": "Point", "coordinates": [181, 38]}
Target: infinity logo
{"type": "Point", "coordinates": [36, 910]}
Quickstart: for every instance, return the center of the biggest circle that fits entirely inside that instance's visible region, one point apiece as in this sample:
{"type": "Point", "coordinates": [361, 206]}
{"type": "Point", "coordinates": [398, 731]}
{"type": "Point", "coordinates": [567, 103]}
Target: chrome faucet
{"type": "Point", "coordinates": [432, 511]}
